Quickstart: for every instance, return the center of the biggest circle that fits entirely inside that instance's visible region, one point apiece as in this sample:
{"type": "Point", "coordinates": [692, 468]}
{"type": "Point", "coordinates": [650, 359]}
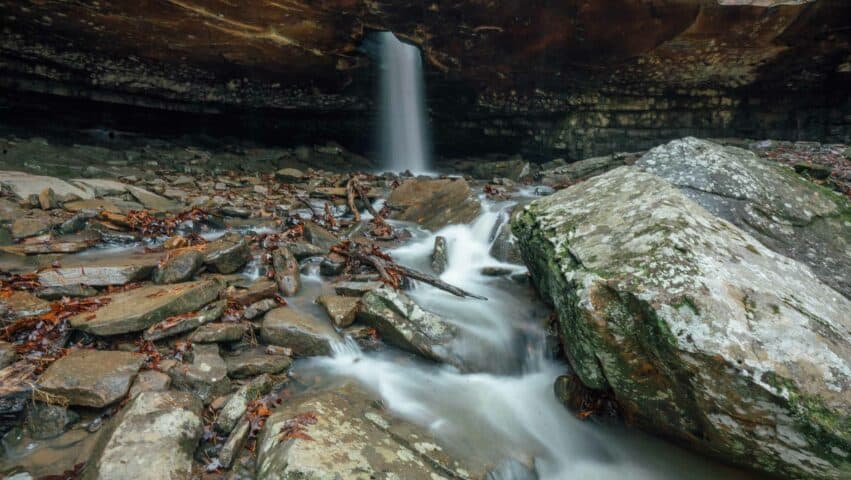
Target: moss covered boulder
{"type": "Point", "coordinates": [701, 332]}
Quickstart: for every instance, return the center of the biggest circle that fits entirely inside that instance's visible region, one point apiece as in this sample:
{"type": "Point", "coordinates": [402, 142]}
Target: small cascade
{"type": "Point", "coordinates": [403, 129]}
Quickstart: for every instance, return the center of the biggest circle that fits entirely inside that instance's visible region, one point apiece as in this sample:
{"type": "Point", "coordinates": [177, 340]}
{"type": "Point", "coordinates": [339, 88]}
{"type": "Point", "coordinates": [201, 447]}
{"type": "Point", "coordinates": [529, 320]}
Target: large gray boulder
{"type": "Point", "coordinates": [341, 434]}
{"type": "Point", "coordinates": [153, 437]}
{"type": "Point", "coordinates": [786, 213]}
{"type": "Point", "coordinates": [701, 332]}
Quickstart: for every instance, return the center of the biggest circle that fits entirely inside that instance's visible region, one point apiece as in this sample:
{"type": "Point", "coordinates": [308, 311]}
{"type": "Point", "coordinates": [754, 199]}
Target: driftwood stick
{"type": "Point", "coordinates": [382, 266]}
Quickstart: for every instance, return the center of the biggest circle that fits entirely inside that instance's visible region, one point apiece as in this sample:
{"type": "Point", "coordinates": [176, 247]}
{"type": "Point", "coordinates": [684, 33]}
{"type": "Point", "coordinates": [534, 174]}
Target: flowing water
{"type": "Point", "coordinates": [402, 108]}
{"type": "Point", "coordinates": [510, 411]}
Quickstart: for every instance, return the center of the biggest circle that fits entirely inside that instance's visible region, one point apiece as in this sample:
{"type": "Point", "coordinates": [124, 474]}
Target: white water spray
{"type": "Point", "coordinates": [402, 115]}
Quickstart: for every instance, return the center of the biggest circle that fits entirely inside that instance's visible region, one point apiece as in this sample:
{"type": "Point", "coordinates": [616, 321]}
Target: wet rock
{"type": "Point", "coordinates": [206, 377]}
{"type": "Point", "coordinates": [356, 289]}
{"type": "Point", "coordinates": [91, 378]}
{"type": "Point", "coordinates": [104, 187]}
{"type": "Point", "coordinates": [47, 199]}
{"type": "Point", "coordinates": [259, 308]}
{"type": "Point", "coordinates": [234, 444]}
{"type": "Point", "coordinates": [289, 175]}
{"type": "Point", "coordinates": [344, 443]}
{"type": "Point", "coordinates": [302, 250]}
{"type": "Point", "coordinates": [30, 226]}
{"type": "Point", "coordinates": [138, 309]}
{"type": "Point", "coordinates": [332, 265]}
{"type": "Point", "coordinates": [496, 271]}
{"type": "Point", "coordinates": [259, 290]}
{"type": "Point", "coordinates": [77, 222]}
{"type": "Point", "coordinates": [341, 310]}
{"type": "Point", "coordinates": [304, 334]}
{"type": "Point", "coordinates": [403, 323]}
{"type": "Point", "coordinates": [584, 169]}
{"type": "Point", "coordinates": [434, 203]}
{"type": "Point", "coordinates": [47, 421]}
{"type": "Point", "coordinates": [255, 361]}
{"type": "Point", "coordinates": [784, 212]}
{"type": "Point", "coordinates": [237, 212]}
{"type": "Point", "coordinates": [176, 241]}
{"type": "Point", "coordinates": [8, 354]}
{"type": "Point", "coordinates": [669, 308]}
{"type": "Point", "coordinates": [152, 438]}
{"type": "Point", "coordinates": [319, 236]}
{"type": "Point", "coordinates": [227, 254]}
{"type": "Point", "coordinates": [71, 291]}
{"type": "Point", "coordinates": [180, 267]}
{"type": "Point", "coordinates": [513, 169]}
{"type": "Point", "coordinates": [219, 332]}
{"type": "Point", "coordinates": [149, 381]}
{"type": "Point", "coordinates": [185, 322]}
{"type": "Point", "coordinates": [286, 271]}
{"type": "Point", "coordinates": [23, 185]}
{"type": "Point", "coordinates": [100, 272]}
{"type": "Point", "coordinates": [24, 304]}
{"type": "Point", "coordinates": [504, 247]}
{"type": "Point", "coordinates": [440, 255]}
{"type": "Point", "coordinates": [237, 404]}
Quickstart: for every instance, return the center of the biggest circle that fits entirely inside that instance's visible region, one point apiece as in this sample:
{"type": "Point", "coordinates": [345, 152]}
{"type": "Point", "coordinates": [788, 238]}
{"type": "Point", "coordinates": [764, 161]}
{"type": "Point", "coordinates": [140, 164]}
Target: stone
{"type": "Point", "coordinates": [206, 377]}
{"type": "Point", "coordinates": [259, 308]}
{"type": "Point", "coordinates": [237, 404]}
{"type": "Point", "coordinates": [341, 310]}
{"type": "Point", "coordinates": [152, 438]}
{"type": "Point", "coordinates": [331, 266]}
{"type": "Point", "coordinates": [575, 172]}
{"type": "Point", "coordinates": [104, 187]}
{"type": "Point", "coordinates": [100, 272]}
{"type": "Point", "coordinates": [402, 323]}
{"type": "Point", "coordinates": [255, 361]}
{"type": "Point", "coordinates": [77, 222]}
{"type": "Point", "coordinates": [319, 236]}
{"type": "Point", "coordinates": [234, 444]}
{"type": "Point", "coordinates": [23, 185]}
{"type": "Point", "coordinates": [71, 291]}
{"type": "Point", "coordinates": [818, 172]}
{"type": "Point", "coordinates": [91, 378]}
{"type": "Point", "coordinates": [786, 213]}
{"type": "Point", "coordinates": [304, 334]}
{"type": "Point", "coordinates": [176, 241]}
{"type": "Point", "coordinates": [21, 303]}
{"type": "Point", "coordinates": [699, 331]}
{"type": "Point", "coordinates": [350, 438]}
{"type": "Point", "coordinates": [440, 255]}
{"type": "Point", "coordinates": [227, 254]}
{"type": "Point", "coordinates": [8, 354]}
{"type": "Point", "coordinates": [185, 322]}
{"type": "Point", "coordinates": [149, 381]}
{"type": "Point", "coordinates": [289, 175]}
{"type": "Point", "coordinates": [30, 226]}
{"type": "Point", "coordinates": [47, 421]}
{"type": "Point", "coordinates": [513, 169]}
{"type": "Point", "coordinates": [179, 267]}
{"type": "Point", "coordinates": [138, 309]}
{"type": "Point", "coordinates": [302, 250]}
{"type": "Point", "coordinates": [219, 332]}
{"type": "Point", "coordinates": [504, 247]}
{"type": "Point", "coordinates": [356, 289]}
{"type": "Point", "coordinates": [47, 199]}
{"type": "Point", "coordinates": [259, 290]}
{"type": "Point", "coordinates": [433, 204]}
{"type": "Point", "coordinates": [286, 271]}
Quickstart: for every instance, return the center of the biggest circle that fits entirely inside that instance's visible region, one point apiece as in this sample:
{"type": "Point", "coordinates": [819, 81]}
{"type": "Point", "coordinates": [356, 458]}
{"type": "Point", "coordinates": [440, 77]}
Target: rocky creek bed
{"type": "Point", "coordinates": [163, 317]}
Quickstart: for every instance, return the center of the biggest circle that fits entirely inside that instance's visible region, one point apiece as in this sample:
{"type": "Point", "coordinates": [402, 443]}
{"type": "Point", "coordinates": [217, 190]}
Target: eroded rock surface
{"type": "Point", "coordinates": [700, 331]}
{"type": "Point", "coordinates": [91, 378]}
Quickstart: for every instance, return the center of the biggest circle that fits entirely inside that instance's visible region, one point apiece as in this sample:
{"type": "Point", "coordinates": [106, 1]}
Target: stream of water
{"type": "Point", "coordinates": [510, 412]}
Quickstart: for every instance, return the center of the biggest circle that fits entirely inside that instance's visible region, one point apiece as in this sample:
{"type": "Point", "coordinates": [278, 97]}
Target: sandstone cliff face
{"type": "Point", "coordinates": [574, 78]}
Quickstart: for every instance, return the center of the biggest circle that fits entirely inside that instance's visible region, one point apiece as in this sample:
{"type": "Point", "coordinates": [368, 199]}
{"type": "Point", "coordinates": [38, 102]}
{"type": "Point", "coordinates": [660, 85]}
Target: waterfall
{"type": "Point", "coordinates": [402, 121]}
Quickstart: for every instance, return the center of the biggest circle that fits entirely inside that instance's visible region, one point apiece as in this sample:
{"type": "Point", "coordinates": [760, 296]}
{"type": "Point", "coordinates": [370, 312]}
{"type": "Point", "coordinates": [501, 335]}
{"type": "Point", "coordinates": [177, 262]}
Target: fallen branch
{"type": "Point", "coordinates": [391, 271]}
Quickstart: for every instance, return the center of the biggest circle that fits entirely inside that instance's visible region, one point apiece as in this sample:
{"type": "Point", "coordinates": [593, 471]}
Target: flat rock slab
{"type": "Point", "coordinates": [186, 322]}
{"type": "Point", "coordinates": [304, 334]}
{"type": "Point", "coordinates": [356, 289]}
{"type": "Point", "coordinates": [403, 323]}
{"type": "Point", "coordinates": [219, 332]}
{"type": "Point", "coordinates": [255, 361]}
{"type": "Point", "coordinates": [351, 439]}
{"type": "Point", "coordinates": [101, 272]}
{"type": "Point", "coordinates": [434, 203]}
{"type": "Point", "coordinates": [138, 309]}
{"type": "Point", "coordinates": [24, 184]}
{"type": "Point", "coordinates": [227, 254]}
{"type": "Point", "coordinates": [340, 309]}
{"type": "Point", "coordinates": [206, 377]}
{"type": "Point", "coordinates": [91, 378]}
{"type": "Point", "coordinates": [153, 438]}
{"type": "Point", "coordinates": [103, 187]}
{"type": "Point", "coordinates": [20, 303]}
{"type": "Point", "coordinates": [237, 404]}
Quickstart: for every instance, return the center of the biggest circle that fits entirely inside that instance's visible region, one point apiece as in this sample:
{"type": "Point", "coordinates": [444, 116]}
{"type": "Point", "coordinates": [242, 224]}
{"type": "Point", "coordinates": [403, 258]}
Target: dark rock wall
{"type": "Point", "coordinates": [569, 79]}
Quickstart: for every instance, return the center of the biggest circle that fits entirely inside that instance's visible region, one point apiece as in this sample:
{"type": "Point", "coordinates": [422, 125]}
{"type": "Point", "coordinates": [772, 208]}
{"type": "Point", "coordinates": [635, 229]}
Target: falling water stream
{"type": "Point", "coordinates": [403, 129]}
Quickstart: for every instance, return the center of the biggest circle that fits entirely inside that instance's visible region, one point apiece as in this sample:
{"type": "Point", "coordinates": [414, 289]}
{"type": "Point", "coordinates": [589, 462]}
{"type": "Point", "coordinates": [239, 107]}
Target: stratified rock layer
{"type": "Point", "coordinates": [701, 332]}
